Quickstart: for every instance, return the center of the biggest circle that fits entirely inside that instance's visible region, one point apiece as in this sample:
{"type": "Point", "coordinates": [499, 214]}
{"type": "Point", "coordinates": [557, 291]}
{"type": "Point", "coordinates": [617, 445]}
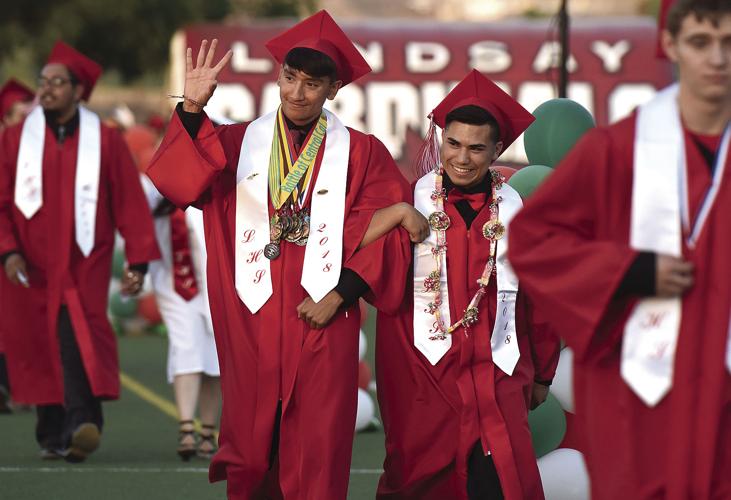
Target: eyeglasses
{"type": "Point", "coordinates": [55, 82]}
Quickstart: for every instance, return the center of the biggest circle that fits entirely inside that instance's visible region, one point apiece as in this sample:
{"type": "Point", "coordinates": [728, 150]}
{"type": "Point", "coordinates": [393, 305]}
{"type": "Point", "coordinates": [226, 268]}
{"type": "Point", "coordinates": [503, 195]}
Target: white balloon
{"type": "Point", "coordinates": [564, 475]}
{"type": "Point", "coordinates": [366, 410]}
{"type": "Point", "coordinates": [563, 382]}
{"type": "Point", "coordinates": [362, 346]}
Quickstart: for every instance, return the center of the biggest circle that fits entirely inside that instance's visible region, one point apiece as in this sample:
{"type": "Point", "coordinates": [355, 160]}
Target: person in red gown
{"type": "Point", "coordinates": [631, 268]}
{"type": "Point", "coordinates": [68, 183]}
{"type": "Point", "coordinates": [462, 361]}
{"type": "Point", "coordinates": [15, 102]}
{"type": "Point", "coordinates": [286, 200]}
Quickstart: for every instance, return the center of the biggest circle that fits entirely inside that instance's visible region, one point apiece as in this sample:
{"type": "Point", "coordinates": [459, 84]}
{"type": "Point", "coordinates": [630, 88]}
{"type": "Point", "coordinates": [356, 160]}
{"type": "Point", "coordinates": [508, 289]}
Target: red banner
{"type": "Point", "coordinates": [612, 69]}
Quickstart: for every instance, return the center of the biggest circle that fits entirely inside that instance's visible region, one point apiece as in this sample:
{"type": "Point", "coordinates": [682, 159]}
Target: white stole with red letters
{"type": "Point", "coordinates": [659, 214]}
{"type": "Point", "coordinates": [324, 250]}
{"type": "Point", "coordinates": [29, 172]}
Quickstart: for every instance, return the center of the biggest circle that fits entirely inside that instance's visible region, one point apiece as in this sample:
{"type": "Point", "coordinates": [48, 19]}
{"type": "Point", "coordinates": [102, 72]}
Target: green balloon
{"type": "Point", "coordinates": [122, 308]}
{"type": "Point", "coordinates": [527, 179]}
{"type": "Point", "coordinates": [159, 329]}
{"type": "Point", "coordinates": [547, 425]}
{"type": "Point", "coordinates": [559, 124]}
{"type": "Point", "coordinates": [118, 263]}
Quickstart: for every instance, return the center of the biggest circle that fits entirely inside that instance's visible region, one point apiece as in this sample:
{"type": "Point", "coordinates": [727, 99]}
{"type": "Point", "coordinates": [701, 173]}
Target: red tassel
{"type": "Point", "coordinates": [427, 159]}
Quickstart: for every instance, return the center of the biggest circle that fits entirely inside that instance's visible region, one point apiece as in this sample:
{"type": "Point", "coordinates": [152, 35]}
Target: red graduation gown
{"type": "Point", "coordinates": [433, 415]}
{"type": "Point", "coordinates": [570, 248]}
{"type": "Point", "coordinates": [272, 355]}
{"type": "Point", "coordinates": [57, 270]}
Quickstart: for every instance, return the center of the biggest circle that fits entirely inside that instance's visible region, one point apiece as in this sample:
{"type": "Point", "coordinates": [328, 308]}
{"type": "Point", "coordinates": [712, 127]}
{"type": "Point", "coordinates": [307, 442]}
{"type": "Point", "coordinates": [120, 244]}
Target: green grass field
{"type": "Point", "coordinates": [137, 459]}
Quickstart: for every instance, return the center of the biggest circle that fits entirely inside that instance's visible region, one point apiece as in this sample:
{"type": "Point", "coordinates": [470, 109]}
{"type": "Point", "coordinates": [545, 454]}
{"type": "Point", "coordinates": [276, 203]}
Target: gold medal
{"type": "Point", "coordinates": [439, 221]}
{"type": "Point", "coordinates": [493, 230]}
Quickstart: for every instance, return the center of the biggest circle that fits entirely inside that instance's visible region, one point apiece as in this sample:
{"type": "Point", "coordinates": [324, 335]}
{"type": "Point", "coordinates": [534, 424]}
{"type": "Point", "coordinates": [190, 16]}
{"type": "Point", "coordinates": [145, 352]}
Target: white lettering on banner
{"type": "Point", "coordinates": [373, 54]}
{"type": "Point", "coordinates": [349, 106]}
{"type": "Point", "coordinates": [548, 57]}
{"type": "Point", "coordinates": [233, 101]}
{"type": "Point", "coordinates": [626, 97]}
{"type": "Point", "coordinates": [490, 56]}
{"type": "Point", "coordinates": [392, 108]}
{"type": "Point", "coordinates": [242, 63]}
{"type": "Point", "coordinates": [611, 55]}
{"type": "Point", "coordinates": [426, 57]}
{"type": "Point", "coordinates": [387, 109]}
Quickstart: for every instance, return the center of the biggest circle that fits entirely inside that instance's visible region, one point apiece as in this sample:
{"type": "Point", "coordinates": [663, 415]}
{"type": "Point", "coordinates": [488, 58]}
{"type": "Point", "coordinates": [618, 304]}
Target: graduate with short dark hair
{"type": "Point", "coordinates": [286, 201]}
{"type": "Point", "coordinates": [68, 183]}
{"type": "Point", "coordinates": [626, 246]}
{"type": "Point", "coordinates": [462, 361]}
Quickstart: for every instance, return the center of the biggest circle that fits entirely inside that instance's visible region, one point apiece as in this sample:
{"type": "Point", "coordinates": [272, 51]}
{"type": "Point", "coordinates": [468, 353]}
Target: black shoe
{"type": "Point", "coordinates": [84, 441]}
{"type": "Point", "coordinates": [52, 453]}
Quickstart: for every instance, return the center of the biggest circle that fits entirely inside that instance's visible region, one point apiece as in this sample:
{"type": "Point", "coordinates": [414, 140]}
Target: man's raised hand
{"type": "Point", "coordinates": [201, 79]}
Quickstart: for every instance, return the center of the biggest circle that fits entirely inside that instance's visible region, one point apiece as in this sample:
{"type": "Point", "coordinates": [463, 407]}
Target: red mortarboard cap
{"type": "Point", "coordinates": [86, 70]}
{"type": "Point", "coordinates": [321, 33]}
{"type": "Point", "coordinates": [479, 91]}
{"type": "Point", "coordinates": [12, 92]}
{"type": "Point", "coordinates": [662, 19]}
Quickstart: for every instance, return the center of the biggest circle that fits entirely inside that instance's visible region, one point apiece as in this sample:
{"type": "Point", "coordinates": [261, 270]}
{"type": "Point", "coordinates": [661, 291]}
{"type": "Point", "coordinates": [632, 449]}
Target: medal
{"type": "Point", "coordinates": [271, 251]}
{"type": "Point", "coordinates": [493, 230]}
{"type": "Point", "coordinates": [439, 221]}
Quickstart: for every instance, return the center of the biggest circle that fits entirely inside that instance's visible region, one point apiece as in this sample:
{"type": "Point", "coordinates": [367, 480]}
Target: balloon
{"type": "Point", "coordinates": [527, 179]}
{"type": "Point", "coordinates": [547, 425]}
{"type": "Point", "coordinates": [160, 329]}
{"type": "Point", "coordinates": [118, 263]}
{"type": "Point", "coordinates": [564, 475]}
{"type": "Point", "coordinates": [122, 307]}
{"type": "Point", "coordinates": [563, 384]}
{"type": "Point", "coordinates": [506, 172]}
{"type": "Point", "coordinates": [362, 346]}
{"type": "Point", "coordinates": [364, 375]}
{"type": "Point", "coordinates": [366, 410]}
{"type": "Point", "coordinates": [147, 308]}
{"type": "Point", "coordinates": [559, 124]}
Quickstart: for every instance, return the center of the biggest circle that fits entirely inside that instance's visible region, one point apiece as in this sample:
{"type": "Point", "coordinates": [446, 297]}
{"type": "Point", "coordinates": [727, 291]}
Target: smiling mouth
{"type": "Point", "coordinates": [461, 170]}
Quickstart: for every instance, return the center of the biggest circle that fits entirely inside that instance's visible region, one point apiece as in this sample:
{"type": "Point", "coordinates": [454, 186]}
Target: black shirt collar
{"type": "Point", "coordinates": [303, 128]}
{"type": "Point", "coordinates": [484, 186]}
{"type": "Point", "coordinates": [62, 131]}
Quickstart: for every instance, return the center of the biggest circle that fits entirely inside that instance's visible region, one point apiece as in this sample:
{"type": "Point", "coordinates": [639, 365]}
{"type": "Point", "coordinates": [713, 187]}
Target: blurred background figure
{"type": "Point", "coordinates": [179, 283]}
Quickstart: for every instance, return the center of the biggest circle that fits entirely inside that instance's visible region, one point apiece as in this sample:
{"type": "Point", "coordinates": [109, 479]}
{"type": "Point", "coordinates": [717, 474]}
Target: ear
{"type": "Point", "coordinates": [334, 87]}
{"type": "Point", "coordinates": [498, 150]}
{"type": "Point", "coordinates": [669, 45]}
{"type": "Point", "coordinates": [279, 76]}
{"type": "Point", "coordinates": [79, 90]}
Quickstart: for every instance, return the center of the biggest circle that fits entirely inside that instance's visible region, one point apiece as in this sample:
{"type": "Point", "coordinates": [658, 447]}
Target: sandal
{"type": "Point", "coordinates": [186, 440]}
{"type": "Point", "coordinates": [207, 446]}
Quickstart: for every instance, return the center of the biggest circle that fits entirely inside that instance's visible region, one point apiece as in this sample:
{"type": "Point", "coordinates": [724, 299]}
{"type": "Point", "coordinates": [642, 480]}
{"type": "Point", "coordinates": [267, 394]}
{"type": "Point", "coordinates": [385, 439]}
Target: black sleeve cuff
{"type": "Point", "coordinates": [7, 255]}
{"type": "Point", "coordinates": [547, 383]}
{"type": "Point", "coordinates": [191, 121]}
{"type": "Point", "coordinates": [351, 287]}
{"type": "Point", "coordinates": [640, 277]}
{"type": "Point", "coordinates": [140, 268]}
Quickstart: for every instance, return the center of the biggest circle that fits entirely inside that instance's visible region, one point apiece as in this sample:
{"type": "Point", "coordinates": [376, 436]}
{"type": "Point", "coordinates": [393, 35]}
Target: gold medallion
{"type": "Point", "coordinates": [439, 221]}
{"type": "Point", "coordinates": [493, 230]}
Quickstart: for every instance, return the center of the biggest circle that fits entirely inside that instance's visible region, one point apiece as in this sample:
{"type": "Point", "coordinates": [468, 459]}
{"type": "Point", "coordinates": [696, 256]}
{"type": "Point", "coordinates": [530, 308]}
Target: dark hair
{"type": "Point", "coordinates": [474, 115]}
{"type": "Point", "coordinates": [72, 77]}
{"type": "Point", "coordinates": [702, 9]}
{"type": "Point", "coordinates": [313, 62]}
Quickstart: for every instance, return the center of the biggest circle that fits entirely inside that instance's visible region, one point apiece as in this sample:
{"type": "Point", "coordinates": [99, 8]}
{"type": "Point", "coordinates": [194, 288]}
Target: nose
{"type": "Point", "coordinates": [718, 56]}
{"type": "Point", "coordinates": [298, 92]}
{"type": "Point", "coordinates": [463, 156]}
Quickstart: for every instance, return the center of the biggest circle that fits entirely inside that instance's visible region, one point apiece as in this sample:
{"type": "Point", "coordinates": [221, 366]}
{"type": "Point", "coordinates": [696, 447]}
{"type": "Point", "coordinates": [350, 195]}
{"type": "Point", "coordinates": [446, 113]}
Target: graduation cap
{"type": "Point", "coordinates": [12, 92]}
{"type": "Point", "coordinates": [86, 70]}
{"type": "Point", "coordinates": [475, 90]}
{"type": "Point", "coordinates": [321, 33]}
{"type": "Point", "coordinates": [662, 19]}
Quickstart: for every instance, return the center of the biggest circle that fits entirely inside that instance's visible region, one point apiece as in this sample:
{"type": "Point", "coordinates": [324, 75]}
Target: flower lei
{"type": "Point", "coordinates": [439, 222]}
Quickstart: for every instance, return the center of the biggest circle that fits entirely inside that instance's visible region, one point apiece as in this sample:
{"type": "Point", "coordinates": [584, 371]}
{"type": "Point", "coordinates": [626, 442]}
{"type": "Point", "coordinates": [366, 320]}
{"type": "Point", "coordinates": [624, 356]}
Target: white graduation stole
{"type": "Point", "coordinates": [29, 172]}
{"type": "Point", "coordinates": [659, 211]}
{"type": "Point", "coordinates": [504, 341]}
{"type": "Point", "coordinates": [324, 250]}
